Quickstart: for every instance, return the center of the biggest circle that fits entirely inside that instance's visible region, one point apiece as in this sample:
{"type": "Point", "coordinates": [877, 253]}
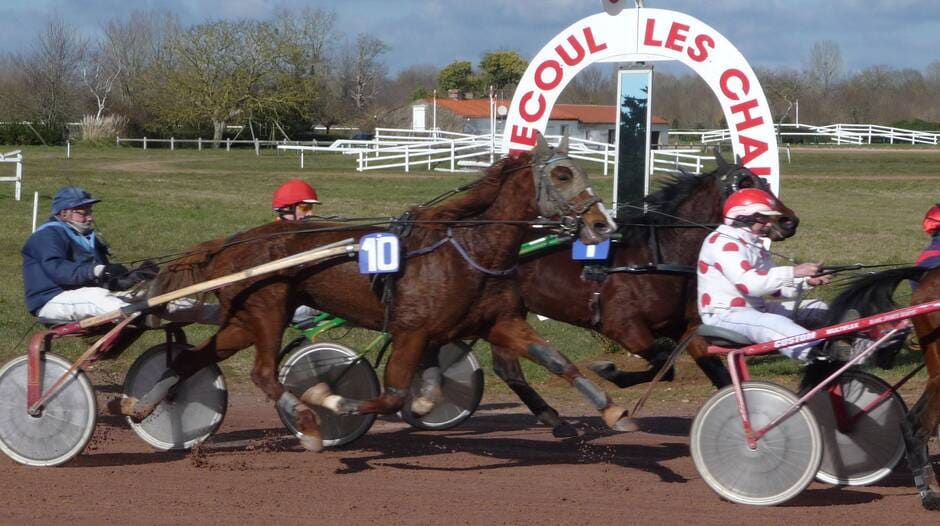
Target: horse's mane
{"type": "Point", "coordinates": [667, 200]}
{"type": "Point", "coordinates": [871, 294]}
{"type": "Point", "coordinates": [478, 198]}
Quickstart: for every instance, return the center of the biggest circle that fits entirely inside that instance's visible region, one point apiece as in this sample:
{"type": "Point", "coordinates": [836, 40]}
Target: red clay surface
{"type": "Point", "coordinates": [500, 467]}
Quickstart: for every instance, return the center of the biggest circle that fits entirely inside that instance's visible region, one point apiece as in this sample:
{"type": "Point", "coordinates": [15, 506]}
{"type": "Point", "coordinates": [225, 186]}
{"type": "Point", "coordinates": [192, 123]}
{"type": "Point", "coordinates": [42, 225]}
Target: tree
{"type": "Point", "coordinates": [501, 69]}
{"type": "Point", "coordinates": [360, 75]}
{"type": "Point", "coordinates": [99, 73]}
{"type": "Point", "coordinates": [457, 75]}
{"type": "Point", "coordinates": [221, 71]}
{"type": "Point", "coordinates": [825, 65]}
{"type": "Point", "coordinates": [49, 75]}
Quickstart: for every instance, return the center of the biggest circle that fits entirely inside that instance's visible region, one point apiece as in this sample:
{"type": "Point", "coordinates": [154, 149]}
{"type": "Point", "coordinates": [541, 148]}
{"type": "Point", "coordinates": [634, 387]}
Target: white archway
{"type": "Point", "coordinates": [648, 35]}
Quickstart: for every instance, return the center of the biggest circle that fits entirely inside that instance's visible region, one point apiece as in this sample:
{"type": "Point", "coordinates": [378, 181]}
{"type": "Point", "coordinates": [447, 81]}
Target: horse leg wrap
{"type": "Point", "coordinates": [549, 358]}
{"type": "Point", "coordinates": [156, 394]}
{"type": "Point", "coordinates": [915, 441]}
{"type": "Point", "coordinates": [593, 393]}
{"type": "Point", "coordinates": [321, 395]}
{"type": "Point", "coordinates": [430, 391]}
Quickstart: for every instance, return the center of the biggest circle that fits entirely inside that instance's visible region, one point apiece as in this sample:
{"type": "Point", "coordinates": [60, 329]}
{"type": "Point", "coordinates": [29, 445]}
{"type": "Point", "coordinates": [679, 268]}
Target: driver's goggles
{"type": "Point", "coordinates": [303, 208]}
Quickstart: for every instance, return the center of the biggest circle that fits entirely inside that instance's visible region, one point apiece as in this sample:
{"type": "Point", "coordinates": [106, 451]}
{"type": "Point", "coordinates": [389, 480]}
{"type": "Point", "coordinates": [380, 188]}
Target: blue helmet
{"type": "Point", "coordinates": [71, 197]}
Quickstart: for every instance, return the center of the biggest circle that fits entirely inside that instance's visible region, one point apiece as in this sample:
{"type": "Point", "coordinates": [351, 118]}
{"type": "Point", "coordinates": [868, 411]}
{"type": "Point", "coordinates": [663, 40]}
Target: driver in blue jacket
{"type": "Point", "coordinates": [67, 275]}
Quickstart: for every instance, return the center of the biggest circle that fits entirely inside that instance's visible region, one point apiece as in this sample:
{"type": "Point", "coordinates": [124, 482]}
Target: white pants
{"type": "Point", "coordinates": [78, 304]}
{"type": "Point", "coordinates": [776, 321]}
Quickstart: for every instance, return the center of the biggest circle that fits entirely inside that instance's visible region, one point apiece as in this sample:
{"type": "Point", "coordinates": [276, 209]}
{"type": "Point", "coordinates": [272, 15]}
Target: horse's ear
{"type": "Point", "coordinates": [563, 145]}
{"type": "Point", "coordinates": [719, 159]}
{"type": "Point", "coordinates": [542, 150]}
{"type": "Point", "coordinates": [737, 160]}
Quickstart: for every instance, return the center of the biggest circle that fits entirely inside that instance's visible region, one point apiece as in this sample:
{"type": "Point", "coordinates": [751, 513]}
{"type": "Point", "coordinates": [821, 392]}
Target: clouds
{"type": "Point", "coordinates": [774, 33]}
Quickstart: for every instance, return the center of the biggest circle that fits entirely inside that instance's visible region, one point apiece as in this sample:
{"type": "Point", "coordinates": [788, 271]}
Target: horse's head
{"type": "Point", "coordinates": [734, 177]}
{"type": "Point", "coordinates": [562, 190]}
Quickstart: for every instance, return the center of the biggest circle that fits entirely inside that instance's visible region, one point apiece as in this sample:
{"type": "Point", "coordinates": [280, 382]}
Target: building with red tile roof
{"type": "Point", "coordinates": [586, 121]}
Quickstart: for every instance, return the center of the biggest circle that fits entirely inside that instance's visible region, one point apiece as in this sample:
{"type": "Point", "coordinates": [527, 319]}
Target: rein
{"type": "Point", "coordinates": [449, 238]}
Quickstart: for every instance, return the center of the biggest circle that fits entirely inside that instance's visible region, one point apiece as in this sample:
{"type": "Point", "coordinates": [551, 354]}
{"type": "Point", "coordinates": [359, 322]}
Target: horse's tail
{"type": "Point", "coordinates": [871, 294]}
{"type": "Point", "coordinates": [187, 270]}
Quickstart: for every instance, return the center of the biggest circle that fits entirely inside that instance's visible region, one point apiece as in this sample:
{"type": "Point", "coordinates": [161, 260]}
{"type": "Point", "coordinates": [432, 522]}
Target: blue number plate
{"type": "Point", "coordinates": [378, 253]}
{"type": "Point", "coordinates": [582, 252]}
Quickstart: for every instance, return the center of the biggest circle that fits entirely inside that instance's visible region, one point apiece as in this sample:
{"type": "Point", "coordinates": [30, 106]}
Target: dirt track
{"type": "Point", "coordinates": [498, 468]}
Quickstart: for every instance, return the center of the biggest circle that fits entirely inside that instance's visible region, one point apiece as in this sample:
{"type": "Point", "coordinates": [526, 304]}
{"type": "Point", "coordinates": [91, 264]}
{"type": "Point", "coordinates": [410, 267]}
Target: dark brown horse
{"type": "Point", "coordinates": [634, 308]}
{"type": "Point", "coordinates": [457, 284]}
{"type": "Point", "coordinates": [872, 294]}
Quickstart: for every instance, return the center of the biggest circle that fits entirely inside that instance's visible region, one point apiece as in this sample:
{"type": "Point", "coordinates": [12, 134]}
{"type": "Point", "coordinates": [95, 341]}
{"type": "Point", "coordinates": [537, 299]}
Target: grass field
{"type": "Point", "coordinates": [856, 206]}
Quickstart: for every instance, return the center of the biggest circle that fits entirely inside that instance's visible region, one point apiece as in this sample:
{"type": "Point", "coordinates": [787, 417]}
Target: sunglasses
{"type": "Point", "coordinates": [84, 212]}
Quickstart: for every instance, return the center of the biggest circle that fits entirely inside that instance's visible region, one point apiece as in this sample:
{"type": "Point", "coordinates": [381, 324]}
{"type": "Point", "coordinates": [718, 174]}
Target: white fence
{"type": "Point", "coordinates": [833, 133]}
{"type": "Point", "coordinates": [200, 142]}
{"type": "Point", "coordinates": [454, 152]}
{"type": "Point", "coordinates": [14, 157]}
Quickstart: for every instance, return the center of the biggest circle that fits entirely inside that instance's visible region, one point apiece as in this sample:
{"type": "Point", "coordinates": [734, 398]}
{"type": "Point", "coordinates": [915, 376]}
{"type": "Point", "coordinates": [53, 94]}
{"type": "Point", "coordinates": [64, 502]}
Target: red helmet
{"type": "Point", "coordinates": [749, 201]}
{"type": "Point", "coordinates": [932, 220]}
{"type": "Point", "coordinates": [293, 192]}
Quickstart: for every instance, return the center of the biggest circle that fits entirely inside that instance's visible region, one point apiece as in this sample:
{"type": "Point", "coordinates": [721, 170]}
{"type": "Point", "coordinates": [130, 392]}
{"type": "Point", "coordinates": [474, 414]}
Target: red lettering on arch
{"type": "Point", "coordinates": [540, 82]}
{"type": "Point", "coordinates": [648, 39]}
{"type": "Point", "coordinates": [744, 109]}
{"type": "Point", "coordinates": [578, 52]}
{"type": "Point", "coordinates": [593, 46]}
{"type": "Point", "coordinates": [522, 135]}
{"type": "Point", "coordinates": [737, 74]}
{"type": "Point", "coordinates": [523, 111]}
{"type": "Point", "coordinates": [677, 35]}
{"type": "Point", "coordinates": [753, 149]}
{"type": "Point", "coordinates": [699, 53]}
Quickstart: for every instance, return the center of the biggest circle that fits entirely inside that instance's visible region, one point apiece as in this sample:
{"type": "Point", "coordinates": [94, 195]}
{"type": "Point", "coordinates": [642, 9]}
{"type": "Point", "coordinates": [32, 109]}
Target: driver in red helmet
{"type": "Point", "coordinates": [736, 273]}
{"type": "Point", "coordinates": [294, 200]}
{"type": "Point", "coordinates": [930, 256]}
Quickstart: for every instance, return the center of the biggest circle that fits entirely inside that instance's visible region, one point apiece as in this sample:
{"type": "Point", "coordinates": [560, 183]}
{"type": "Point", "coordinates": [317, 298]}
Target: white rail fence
{"type": "Point", "coordinates": [833, 133]}
{"type": "Point", "coordinates": [15, 158]}
{"type": "Point", "coordinates": [454, 152]}
{"type": "Point", "coordinates": [200, 143]}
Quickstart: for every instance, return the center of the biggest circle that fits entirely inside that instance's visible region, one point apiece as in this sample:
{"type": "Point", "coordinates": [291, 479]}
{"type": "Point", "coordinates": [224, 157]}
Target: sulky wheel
{"type": "Point", "coordinates": [461, 386]}
{"type": "Point", "coordinates": [782, 465]}
{"type": "Point", "coordinates": [868, 450]}
{"type": "Point", "coordinates": [61, 430]}
{"type": "Point", "coordinates": [346, 374]}
{"type": "Point", "coordinates": [192, 411]}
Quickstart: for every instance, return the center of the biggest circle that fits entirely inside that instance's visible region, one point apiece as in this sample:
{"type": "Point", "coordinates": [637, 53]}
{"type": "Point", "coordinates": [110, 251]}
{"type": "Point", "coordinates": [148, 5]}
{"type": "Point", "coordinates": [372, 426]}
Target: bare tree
{"type": "Point", "coordinates": [361, 72]}
{"type": "Point", "coordinates": [50, 73]}
{"type": "Point", "coordinates": [134, 46]}
{"type": "Point", "coordinates": [825, 65]}
{"type": "Point", "coordinates": [596, 84]}
{"type": "Point", "coordinates": [99, 73]}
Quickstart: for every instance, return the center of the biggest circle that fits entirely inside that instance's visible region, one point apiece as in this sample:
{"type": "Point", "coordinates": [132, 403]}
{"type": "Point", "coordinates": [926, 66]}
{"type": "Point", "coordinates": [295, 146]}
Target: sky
{"type": "Point", "coordinates": [769, 33]}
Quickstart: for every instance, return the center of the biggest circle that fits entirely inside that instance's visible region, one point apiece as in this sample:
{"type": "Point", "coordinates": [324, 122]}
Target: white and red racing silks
{"type": "Point", "coordinates": [735, 271]}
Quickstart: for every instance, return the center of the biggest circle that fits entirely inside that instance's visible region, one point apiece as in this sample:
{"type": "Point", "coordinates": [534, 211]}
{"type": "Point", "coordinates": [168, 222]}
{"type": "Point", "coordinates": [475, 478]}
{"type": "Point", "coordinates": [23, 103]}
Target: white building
{"type": "Point", "coordinates": [585, 121]}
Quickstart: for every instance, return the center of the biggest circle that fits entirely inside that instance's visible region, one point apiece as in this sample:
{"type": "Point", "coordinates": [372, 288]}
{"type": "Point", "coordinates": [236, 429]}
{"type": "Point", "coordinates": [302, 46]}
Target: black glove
{"type": "Point", "coordinates": [110, 273]}
{"type": "Point", "coordinates": [146, 270]}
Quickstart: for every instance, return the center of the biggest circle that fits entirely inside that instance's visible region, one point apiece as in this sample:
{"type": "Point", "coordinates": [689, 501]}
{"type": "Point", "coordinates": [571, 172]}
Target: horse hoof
{"type": "Point", "coordinates": [421, 406]}
{"type": "Point", "coordinates": [565, 430]}
{"type": "Point", "coordinates": [603, 368]}
{"type": "Point", "coordinates": [625, 425]}
{"type": "Point", "coordinates": [931, 501]}
{"type": "Point", "coordinates": [310, 443]}
{"type": "Point", "coordinates": [122, 406]}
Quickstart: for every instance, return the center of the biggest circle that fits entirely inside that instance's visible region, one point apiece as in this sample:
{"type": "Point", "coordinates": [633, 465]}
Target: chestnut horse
{"type": "Point", "coordinates": [872, 294]}
{"type": "Point", "coordinates": [456, 283]}
{"type": "Point", "coordinates": [634, 308]}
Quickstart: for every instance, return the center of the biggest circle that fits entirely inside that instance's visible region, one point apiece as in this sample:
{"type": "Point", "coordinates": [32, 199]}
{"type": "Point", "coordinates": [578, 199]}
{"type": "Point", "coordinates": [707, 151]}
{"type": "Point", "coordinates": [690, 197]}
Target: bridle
{"type": "Point", "coordinates": [553, 202]}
